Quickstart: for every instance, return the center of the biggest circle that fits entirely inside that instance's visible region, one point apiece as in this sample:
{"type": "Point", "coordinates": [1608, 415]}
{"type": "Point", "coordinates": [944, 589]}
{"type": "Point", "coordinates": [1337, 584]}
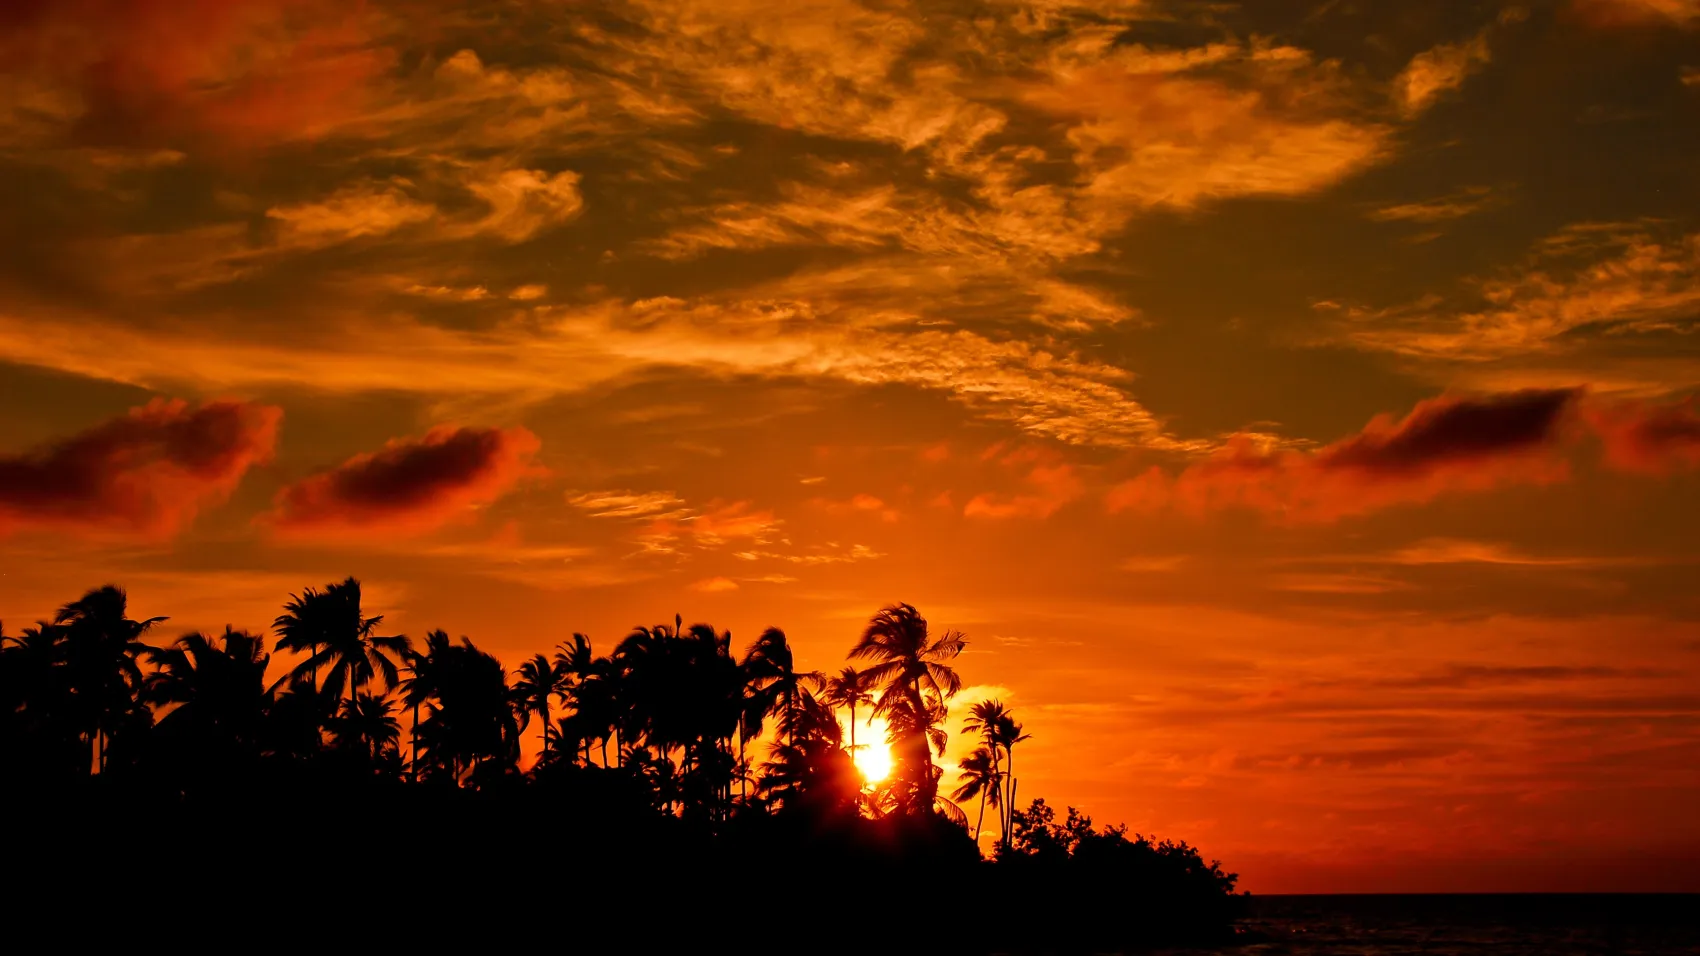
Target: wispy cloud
{"type": "Point", "coordinates": [1589, 279]}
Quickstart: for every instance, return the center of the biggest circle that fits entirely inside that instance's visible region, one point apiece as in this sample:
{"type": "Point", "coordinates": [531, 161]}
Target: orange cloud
{"type": "Point", "coordinates": [1434, 73]}
{"type": "Point", "coordinates": [1647, 437]}
{"type": "Point", "coordinates": [1151, 133]}
{"type": "Point", "coordinates": [865, 503]}
{"type": "Point", "coordinates": [410, 486]}
{"type": "Point", "coordinates": [713, 527]}
{"type": "Point", "coordinates": [1445, 445]}
{"type": "Point", "coordinates": [1053, 484]}
{"type": "Point", "coordinates": [146, 472]}
{"type": "Point", "coordinates": [1590, 277]}
{"type": "Point", "coordinates": [714, 586]}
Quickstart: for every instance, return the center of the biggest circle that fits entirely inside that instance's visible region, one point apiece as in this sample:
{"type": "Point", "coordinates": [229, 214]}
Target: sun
{"type": "Point", "coordinates": [872, 755]}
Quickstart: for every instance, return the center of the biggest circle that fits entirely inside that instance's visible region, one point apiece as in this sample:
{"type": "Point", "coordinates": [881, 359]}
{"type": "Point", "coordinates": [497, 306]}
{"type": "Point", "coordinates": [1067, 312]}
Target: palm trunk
{"type": "Point", "coordinates": [545, 751]}
{"type": "Point", "coordinates": [981, 822]}
{"type": "Point", "coordinates": [413, 746]}
{"type": "Point", "coordinates": [1012, 813]}
{"type": "Point", "coordinates": [852, 729]}
{"type": "Point", "coordinates": [1009, 802]}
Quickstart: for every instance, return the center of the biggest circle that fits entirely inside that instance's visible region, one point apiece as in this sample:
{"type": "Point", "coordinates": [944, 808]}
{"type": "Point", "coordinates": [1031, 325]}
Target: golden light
{"type": "Point", "coordinates": [872, 755]}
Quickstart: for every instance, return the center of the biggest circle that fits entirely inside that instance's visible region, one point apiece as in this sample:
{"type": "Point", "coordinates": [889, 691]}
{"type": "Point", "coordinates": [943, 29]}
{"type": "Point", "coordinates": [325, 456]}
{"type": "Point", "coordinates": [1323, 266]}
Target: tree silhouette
{"type": "Point", "coordinates": [540, 679]}
{"type": "Point", "coordinates": [102, 645]}
{"type": "Point", "coordinates": [332, 627]}
{"type": "Point", "coordinates": [983, 720]}
{"type": "Point", "coordinates": [777, 686]}
{"type": "Point", "coordinates": [216, 695]}
{"type": "Point", "coordinates": [366, 728]}
{"type": "Point", "coordinates": [190, 738]}
{"type": "Point", "coordinates": [420, 685]}
{"type": "Point", "coordinates": [980, 778]}
{"type": "Point", "coordinates": [1006, 733]}
{"type": "Point", "coordinates": [914, 682]}
{"type": "Point", "coordinates": [849, 688]}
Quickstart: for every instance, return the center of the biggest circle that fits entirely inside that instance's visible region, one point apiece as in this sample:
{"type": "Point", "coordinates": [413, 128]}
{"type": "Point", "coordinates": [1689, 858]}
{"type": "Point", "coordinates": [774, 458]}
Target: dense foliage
{"type": "Point", "coordinates": [670, 755]}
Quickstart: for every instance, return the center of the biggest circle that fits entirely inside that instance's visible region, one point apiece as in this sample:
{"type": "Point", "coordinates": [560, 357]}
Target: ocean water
{"type": "Point", "coordinates": [1505, 925]}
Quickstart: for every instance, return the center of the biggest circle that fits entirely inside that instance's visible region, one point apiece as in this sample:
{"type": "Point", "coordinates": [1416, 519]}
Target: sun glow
{"type": "Point", "coordinates": [872, 754]}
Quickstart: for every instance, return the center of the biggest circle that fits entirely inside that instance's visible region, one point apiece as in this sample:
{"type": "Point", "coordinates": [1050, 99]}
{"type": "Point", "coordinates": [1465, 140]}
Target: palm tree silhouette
{"type": "Point", "coordinates": [367, 727]}
{"type": "Point", "coordinates": [915, 682]}
{"type": "Point", "coordinates": [776, 683]}
{"type": "Point", "coordinates": [980, 778]}
{"type": "Point", "coordinates": [215, 689]}
{"type": "Point", "coordinates": [419, 686]}
{"type": "Point", "coordinates": [1007, 733]}
{"type": "Point", "coordinates": [538, 680]}
{"type": "Point", "coordinates": [471, 726]}
{"type": "Point", "coordinates": [848, 689]}
{"type": "Point", "coordinates": [983, 719]}
{"type": "Point", "coordinates": [102, 646]}
{"type": "Point", "coordinates": [332, 623]}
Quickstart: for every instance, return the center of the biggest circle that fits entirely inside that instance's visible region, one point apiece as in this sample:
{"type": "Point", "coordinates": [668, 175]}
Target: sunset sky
{"type": "Point", "coordinates": [1293, 402]}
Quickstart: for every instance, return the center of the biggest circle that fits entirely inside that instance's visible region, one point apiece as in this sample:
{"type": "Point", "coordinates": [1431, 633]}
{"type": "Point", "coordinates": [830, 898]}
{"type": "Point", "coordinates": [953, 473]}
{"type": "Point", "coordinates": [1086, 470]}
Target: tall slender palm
{"type": "Point", "coordinates": [420, 685]}
{"type": "Point", "coordinates": [539, 679]}
{"type": "Point", "coordinates": [915, 683]}
{"type": "Point", "coordinates": [1007, 734]}
{"type": "Point", "coordinates": [980, 778]}
{"type": "Point", "coordinates": [983, 720]}
{"type": "Point", "coordinates": [332, 621]}
{"type": "Point", "coordinates": [848, 689]}
{"type": "Point", "coordinates": [102, 645]}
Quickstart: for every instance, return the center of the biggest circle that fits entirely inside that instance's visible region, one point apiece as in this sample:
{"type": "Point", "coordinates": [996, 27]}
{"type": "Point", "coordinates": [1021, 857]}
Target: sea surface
{"type": "Point", "coordinates": [1507, 925]}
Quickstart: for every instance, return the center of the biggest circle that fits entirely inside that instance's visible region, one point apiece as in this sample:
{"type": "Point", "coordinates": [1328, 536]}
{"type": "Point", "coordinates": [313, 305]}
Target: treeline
{"type": "Point", "coordinates": [671, 754]}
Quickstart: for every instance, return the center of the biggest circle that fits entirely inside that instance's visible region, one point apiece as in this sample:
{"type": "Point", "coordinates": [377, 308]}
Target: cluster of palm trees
{"type": "Point", "coordinates": [988, 772]}
{"type": "Point", "coordinates": [708, 733]}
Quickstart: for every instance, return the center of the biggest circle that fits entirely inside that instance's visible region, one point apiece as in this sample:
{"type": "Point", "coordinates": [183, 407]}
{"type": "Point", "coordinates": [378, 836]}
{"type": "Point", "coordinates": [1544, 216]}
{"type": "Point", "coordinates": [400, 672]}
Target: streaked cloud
{"type": "Point", "coordinates": [627, 504]}
{"type": "Point", "coordinates": [1444, 445]}
{"type": "Point", "coordinates": [1444, 208]}
{"type": "Point", "coordinates": [1593, 278]}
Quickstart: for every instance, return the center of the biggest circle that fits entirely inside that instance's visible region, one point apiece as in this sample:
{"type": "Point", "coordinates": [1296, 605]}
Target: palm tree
{"type": "Point", "coordinates": [983, 719]}
{"type": "Point", "coordinates": [1007, 733]}
{"type": "Point", "coordinates": [539, 680]}
{"type": "Point", "coordinates": [915, 682]}
{"type": "Point", "coordinates": [848, 689]}
{"type": "Point", "coordinates": [419, 686]}
{"type": "Point", "coordinates": [102, 645]}
{"type": "Point", "coordinates": [471, 723]}
{"type": "Point", "coordinates": [579, 663]}
{"type": "Point", "coordinates": [40, 733]}
{"type": "Point", "coordinates": [214, 685]}
{"type": "Point", "coordinates": [775, 682]}
{"type": "Point", "coordinates": [367, 727]}
{"type": "Point", "coordinates": [980, 778]}
{"type": "Point", "coordinates": [332, 625]}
